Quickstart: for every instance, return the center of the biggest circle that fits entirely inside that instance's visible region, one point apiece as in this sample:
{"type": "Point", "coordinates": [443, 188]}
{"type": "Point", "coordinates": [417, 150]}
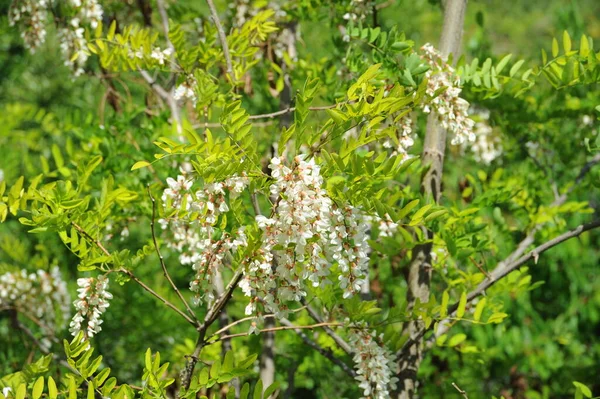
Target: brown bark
{"type": "Point", "coordinates": [419, 275]}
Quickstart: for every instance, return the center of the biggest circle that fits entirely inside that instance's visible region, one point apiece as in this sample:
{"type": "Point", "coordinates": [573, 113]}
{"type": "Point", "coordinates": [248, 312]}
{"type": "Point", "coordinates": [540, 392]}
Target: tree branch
{"type": "Point", "coordinates": [222, 37]}
{"type": "Point", "coordinates": [419, 274]}
{"type": "Point", "coordinates": [327, 353]}
{"type": "Point", "coordinates": [338, 340]}
{"type": "Point", "coordinates": [211, 316]}
{"type": "Point", "coordinates": [132, 276]}
{"type": "Point", "coordinates": [278, 328]}
{"type": "Point", "coordinates": [162, 262]}
{"type": "Point", "coordinates": [498, 274]}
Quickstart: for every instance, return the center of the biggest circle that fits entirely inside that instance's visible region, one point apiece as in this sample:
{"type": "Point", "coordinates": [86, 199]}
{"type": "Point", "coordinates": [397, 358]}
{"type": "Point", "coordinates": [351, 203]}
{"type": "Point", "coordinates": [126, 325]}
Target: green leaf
{"type": "Point", "coordinates": [554, 48]}
{"type": "Point", "coordinates": [584, 48]}
{"type": "Point", "coordinates": [457, 340]}
{"type": "Point", "coordinates": [21, 391]}
{"type": "Point", "coordinates": [583, 389]}
{"type": "Point", "coordinates": [90, 391]}
{"type": "Point", "coordinates": [407, 208]}
{"type": "Point", "coordinates": [462, 304]}
{"type": "Point", "coordinates": [441, 339]}
{"type": "Point", "coordinates": [479, 309]}
{"type": "Point", "coordinates": [72, 388]}
{"type": "Point", "coordinates": [258, 390]}
{"type": "Point", "coordinates": [140, 164]}
{"type": "Point", "coordinates": [444, 304]}
{"type": "Point", "coordinates": [566, 41]}
{"type": "Point", "coordinates": [111, 30]}
{"type": "Point", "coordinates": [203, 377]}
{"type": "Point", "coordinates": [503, 63]}
{"type": "Point", "coordinates": [245, 391]}
{"type": "Point", "coordinates": [515, 68]}
{"type": "Point", "coordinates": [38, 388]}
{"type": "Point", "coordinates": [271, 389]}
{"type": "Point", "coordinates": [52, 391]}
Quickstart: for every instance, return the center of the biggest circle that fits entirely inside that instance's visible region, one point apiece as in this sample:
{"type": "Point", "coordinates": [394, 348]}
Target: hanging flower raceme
{"type": "Point", "coordinates": [198, 241]}
{"type": "Point", "coordinates": [32, 16]}
{"type": "Point", "coordinates": [487, 146]}
{"type": "Point", "coordinates": [375, 364]}
{"type": "Point", "coordinates": [404, 139]}
{"type": "Point", "coordinates": [451, 110]}
{"type": "Point", "coordinates": [92, 301]}
{"type": "Point", "coordinates": [41, 295]}
{"type": "Point", "coordinates": [306, 235]}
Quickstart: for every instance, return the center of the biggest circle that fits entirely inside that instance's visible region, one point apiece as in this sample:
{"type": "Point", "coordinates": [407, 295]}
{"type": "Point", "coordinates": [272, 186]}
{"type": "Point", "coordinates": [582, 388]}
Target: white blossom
{"type": "Point", "coordinates": [303, 239]}
{"type": "Point", "coordinates": [39, 294]}
{"type": "Point", "coordinates": [185, 91]}
{"type": "Point", "coordinates": [451, 109]}
{"type": "Point", "coordinates": [161, 55]}
{"type": "Point", "coordinates": [487, 146]}
{"type": "Point", "coordinates": [92, 302]}
{"type": "Point", "coordinates": [195, 240]}
{"type": "Point", "coordinates": [375, 364]}
{"type": "Point", "coordinates": [32, 16]}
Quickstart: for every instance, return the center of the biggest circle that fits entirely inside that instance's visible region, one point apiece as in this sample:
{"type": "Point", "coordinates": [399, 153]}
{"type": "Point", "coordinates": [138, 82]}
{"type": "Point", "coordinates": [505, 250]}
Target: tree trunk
{"type": "Point", "coordinates": [419, 276]}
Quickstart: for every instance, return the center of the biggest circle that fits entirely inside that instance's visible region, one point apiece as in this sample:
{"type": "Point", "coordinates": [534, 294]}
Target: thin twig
{"type": "Point", "coordinates": [280, 328]}
{"type": "Point", "coordinates": [162, 261]}
{"type": "Point", "coordinates": [211, 316]}
{"type": "Point", "coordinates": [132, 276]}
{"type": "Point", "coordinates": [497, 275]}
{"type": "Point", "coordinates": [291, 109]}
{"type": "Point", "coordinates": [338, 340]}
{"type": "Point", "coordinates": [158, 296]}
{"type": "Point", "coordinates": [222, 37]}
{"type": "Point", "coordinates": [463, 393]}
{"type": "Point", "coordinates": [325, 352]}
{"type": "Point", "coordinates": [90, 238]}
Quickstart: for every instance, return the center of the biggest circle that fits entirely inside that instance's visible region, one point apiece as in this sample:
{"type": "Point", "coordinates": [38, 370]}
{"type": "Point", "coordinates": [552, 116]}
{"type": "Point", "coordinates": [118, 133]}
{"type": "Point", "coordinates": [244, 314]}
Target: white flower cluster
{"type": "Point", "coordinates": [185, 91]}
{"type": "Point", "coordinates": [375, 364]}
{"type": "Point", "coordinates": [304, 237]}
{"type": "Point", "coordinates": [89, 11]}
{"type": "Point", "coordinates": [387, 227]}
{"type": "Point", "coordinates": [405, 138]}
{"type": "Point", "coordinates": [198, 240]}
{"type": "Point", "coordinates": [72, 40]}
{"type": "Point", "coordinates": [32, 15]}
{"type": "Point", "coordinates": [38, 294]}
{"type": "Point", "coordinates": [91, 304]}
{"type": "Point", "coordinates": [486, 146]}
{"type": "Point", "coordinates": [161, 55]}
{"type": "Point", "coordinates": [73, 46]}
{"type": "Point", "coordinates": [359, 10]}
{"type": "Point", "coordinates": [451, 110]}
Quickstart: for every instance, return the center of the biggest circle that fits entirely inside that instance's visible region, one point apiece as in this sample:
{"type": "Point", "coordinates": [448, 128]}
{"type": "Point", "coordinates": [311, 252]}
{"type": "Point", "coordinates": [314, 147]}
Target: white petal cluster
{"type": "Point", "coordinates": [197, 240]}
{"type": "Point", "coordinates": [451, 110]}
{"type": "Point", "coordinates": [161, 55]}
{"type": "Point", "coordinates": [31, 15]}
{"type": "Point", "coordinates": [74, 48]}
{"type": "Point", "coordinates": [92, 301]}
{"type": "Point", "coordinates": [487, 146]}
{"type": "Point", "coordinates": [89, 11]}
{"type": "Point", "coordinates": [185, 91]}
{"type": "Point", "coordinates": [375, 364]}
{"type": "Point", "coordinates": [304, 237]}
{"type": "Point", "coordinates": [387, 227]}
{"type": "Point", "coordinates": [41, 294]}
{"type": "Point", "coordinates": [359, 10]}
{"type": "Point", "coordinates": [405, 138]}
{"type": "Point", "coordinates": [72, 39]}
